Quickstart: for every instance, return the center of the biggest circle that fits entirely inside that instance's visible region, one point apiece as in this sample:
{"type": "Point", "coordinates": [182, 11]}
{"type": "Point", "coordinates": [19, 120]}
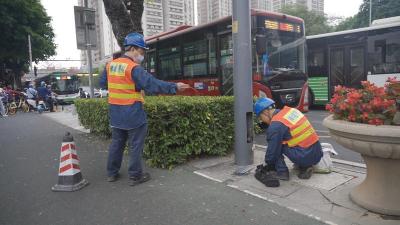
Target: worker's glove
{"type": "Point", "coordinates": [266, 175]}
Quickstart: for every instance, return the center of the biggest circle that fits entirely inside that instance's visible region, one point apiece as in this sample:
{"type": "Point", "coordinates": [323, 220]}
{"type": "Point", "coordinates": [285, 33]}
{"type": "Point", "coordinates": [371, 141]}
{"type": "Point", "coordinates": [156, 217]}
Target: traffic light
{"type": "Point", "coordinates": [35, 71]}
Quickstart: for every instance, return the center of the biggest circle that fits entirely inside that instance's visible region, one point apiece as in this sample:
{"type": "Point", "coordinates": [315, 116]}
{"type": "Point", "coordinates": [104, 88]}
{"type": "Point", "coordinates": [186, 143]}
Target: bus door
{"type": "Point", "coordinates": [346, 66]}
{"type": "Point", "coordinates": [226, 63]}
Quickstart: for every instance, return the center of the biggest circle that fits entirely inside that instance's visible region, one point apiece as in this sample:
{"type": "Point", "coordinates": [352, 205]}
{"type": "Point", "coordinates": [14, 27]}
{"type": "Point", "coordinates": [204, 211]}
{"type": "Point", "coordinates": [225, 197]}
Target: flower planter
{"type": "Point", "coordinates": [380, 148]}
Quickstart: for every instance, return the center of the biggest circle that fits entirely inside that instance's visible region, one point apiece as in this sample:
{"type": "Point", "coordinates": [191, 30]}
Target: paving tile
{"type": "Point", "coordinates": [251, 184]}
{"type": "Point", "coordinates": [323, 181]}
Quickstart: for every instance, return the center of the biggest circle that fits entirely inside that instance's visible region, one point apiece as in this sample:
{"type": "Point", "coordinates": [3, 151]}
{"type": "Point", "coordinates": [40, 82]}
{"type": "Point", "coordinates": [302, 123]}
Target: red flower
{"type": "Point", "coordinates": [370, 104]}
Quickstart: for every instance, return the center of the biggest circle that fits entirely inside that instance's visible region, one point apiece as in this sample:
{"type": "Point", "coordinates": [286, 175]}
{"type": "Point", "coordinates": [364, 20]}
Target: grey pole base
{"type": "Point", "coordinates": [70, 188]}
{"type": "Point", "coordinates": [243, 170]}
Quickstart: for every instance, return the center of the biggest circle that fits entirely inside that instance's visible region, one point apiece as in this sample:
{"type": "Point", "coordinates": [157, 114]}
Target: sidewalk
{"type": "Point", "coordinates": [30, 148]}
{"type": "Point", "coordinates": [325, 197]}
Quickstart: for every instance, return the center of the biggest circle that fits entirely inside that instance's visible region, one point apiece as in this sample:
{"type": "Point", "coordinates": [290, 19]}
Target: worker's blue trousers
{"type": "Point", "coordinates": [135, 138]}
{"type": "Point", "coordinates": [299, 156]}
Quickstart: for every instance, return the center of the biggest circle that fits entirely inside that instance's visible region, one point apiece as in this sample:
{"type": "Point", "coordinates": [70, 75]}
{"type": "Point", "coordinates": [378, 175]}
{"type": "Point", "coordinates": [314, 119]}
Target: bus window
{"type": "Point", "coordinates": [195, 58]}
{"type": "Point", "coordinates": [170, 63]}
{"type": "Point", "coordinates": [316, 64]}
{"type": "Point", "coordinates": [384, 53]}
{"type": "Point", "coordinates": [212, 61]}
{"type": "Point", "coordinates": [226, 62]}
{"type": "Point", "coordinates": [151, 62]}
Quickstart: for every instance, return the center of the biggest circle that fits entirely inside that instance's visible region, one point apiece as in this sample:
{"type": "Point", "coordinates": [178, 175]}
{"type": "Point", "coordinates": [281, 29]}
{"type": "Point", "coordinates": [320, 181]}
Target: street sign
{"type": "Point", "coordinates": [85, 17]}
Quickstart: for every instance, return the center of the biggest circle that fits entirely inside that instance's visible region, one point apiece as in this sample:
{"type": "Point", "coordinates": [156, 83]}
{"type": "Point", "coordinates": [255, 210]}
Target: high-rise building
{"type": "Point", "coordinates": [209, 10]}
{"type": "Point", "coordinates": [316, 5]}
{"type": "Point", "coordinates": [261, 4]}
{"type": "Point", "coordinates": [153, 18]}
{"type": "Point", "coordinates": [158, 16]}
{"type": "Point", "coordinates": [163, 15]}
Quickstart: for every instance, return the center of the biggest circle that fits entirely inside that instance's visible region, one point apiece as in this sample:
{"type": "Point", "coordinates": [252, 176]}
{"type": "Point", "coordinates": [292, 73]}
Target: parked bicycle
{"type": "Point", "coordinates": [18, 102]}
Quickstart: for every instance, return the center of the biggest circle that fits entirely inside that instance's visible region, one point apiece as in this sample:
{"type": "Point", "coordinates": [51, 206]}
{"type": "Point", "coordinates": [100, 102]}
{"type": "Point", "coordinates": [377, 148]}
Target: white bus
{"type": "Point", "coordinates": [348, 57]}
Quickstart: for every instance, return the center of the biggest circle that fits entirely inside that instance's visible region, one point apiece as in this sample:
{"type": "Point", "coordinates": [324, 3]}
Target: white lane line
{"type": "Point", "coordinates": [208, 177]}
{"type": "Point", "coordinates": [322, 136]}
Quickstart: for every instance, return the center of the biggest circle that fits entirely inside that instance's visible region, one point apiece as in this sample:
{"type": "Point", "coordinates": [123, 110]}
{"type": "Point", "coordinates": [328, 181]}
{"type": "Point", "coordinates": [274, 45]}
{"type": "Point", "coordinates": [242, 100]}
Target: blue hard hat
{"type": "Point", "coordinates": [262, 104]}
{"type": "Point", "coordinates": [135, 39]}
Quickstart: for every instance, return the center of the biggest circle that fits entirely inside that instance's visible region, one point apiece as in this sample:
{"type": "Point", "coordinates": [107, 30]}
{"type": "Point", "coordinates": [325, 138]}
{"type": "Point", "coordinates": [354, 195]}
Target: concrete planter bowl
{"type": "Point", "coordinates": [380, 148]}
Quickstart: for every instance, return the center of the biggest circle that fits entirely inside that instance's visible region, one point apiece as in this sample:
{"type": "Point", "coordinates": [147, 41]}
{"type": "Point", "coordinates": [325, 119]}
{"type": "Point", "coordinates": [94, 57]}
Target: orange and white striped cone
{"type": "Point", "coordinates": [69, 173]}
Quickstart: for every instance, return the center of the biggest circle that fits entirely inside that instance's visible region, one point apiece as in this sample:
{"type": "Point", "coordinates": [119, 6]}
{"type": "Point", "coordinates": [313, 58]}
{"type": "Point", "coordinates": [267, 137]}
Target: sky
{"type": "Point", "coordinates": [63, 23]}
{"type": "Point", "coordinates": [345, 8]}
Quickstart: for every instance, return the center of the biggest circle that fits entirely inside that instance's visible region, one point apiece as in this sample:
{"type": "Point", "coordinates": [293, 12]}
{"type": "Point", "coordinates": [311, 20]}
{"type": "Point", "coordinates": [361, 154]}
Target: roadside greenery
{"type": "Point", "coordinates": [180, 127]}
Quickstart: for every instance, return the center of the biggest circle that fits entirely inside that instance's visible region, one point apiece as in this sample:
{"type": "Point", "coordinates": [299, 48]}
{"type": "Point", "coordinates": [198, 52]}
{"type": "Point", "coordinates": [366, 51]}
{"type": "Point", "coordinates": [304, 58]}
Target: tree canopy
{"type": "Point", "coordinates": [125, 17]}
{"type": "Point", "coordinates": [18, 19]}
{"type": "Point", "coordinates": [315, 22]}
{"type": "Point", "coordinates": [380, 9]}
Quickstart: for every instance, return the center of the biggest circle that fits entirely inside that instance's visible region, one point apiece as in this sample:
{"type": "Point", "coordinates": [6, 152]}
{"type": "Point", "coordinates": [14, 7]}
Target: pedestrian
{"type": "Point", "coordinates": [45, 95]}
{"type": "Point", "coordinates": [31, 96]}
{"type": "Point", "coordinates": [3, 98]}
{"type": "Point", "coordinates": [125, 78]}
{"type": "Point", "coordinates": [289, 133]}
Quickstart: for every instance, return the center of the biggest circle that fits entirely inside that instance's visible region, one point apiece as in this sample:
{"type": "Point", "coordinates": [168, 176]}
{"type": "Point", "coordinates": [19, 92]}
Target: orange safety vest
{"type": "Point", "coordinates": [301, 130]}
{"type": "Point", "coordinates": [121, 87]}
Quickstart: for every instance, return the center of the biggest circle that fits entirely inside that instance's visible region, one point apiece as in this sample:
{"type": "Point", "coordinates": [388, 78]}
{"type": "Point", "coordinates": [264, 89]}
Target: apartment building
{"type": "Point", "coordinates": [158, 16]}
{"type": "Point", "coordinates": [316, 5]}
{"type": "Point", "coordinates": [209, 10]}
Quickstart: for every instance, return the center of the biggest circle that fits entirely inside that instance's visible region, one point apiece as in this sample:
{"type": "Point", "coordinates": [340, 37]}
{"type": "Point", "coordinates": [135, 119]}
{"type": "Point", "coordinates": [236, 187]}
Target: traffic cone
{"type": "Point", "coordinates": [69, 173]}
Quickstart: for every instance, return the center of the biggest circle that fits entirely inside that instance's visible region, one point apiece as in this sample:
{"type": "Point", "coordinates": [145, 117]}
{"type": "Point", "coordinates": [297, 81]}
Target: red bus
{"type": "Point", "coordinates": [202, 56]}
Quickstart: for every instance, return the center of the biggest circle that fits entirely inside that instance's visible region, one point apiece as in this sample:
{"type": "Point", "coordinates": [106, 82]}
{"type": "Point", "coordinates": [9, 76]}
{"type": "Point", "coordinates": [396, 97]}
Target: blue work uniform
{"type": "Point", "coordinates": [43, 93]}
{"type": "Point", "coordinates": [277, 132]}
{"type": "Point", "coordinates": [129, 122]}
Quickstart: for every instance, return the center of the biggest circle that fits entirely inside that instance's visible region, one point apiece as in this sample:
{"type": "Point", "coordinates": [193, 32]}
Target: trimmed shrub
{"type": "Point", "coordinates": [180, 127]}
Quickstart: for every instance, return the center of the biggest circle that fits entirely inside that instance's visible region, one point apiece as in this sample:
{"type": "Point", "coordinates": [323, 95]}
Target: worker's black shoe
{"type": "Point", "coordinates": [284, 175]}
{"type": "Point", "coordinates": [266, 176]}
{"type": "Point", "coordinates": [113, 178]}
{"type": "Point", "coordinates": [137, 180]}
{"type": "Point", "coordinates": [305, 172]}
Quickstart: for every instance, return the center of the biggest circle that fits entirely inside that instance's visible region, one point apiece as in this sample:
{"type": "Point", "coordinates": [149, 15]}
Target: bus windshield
{"type": "Point", "coordinates": [65, 84]}
{"type": "Point", "coordinates": [284, 50]}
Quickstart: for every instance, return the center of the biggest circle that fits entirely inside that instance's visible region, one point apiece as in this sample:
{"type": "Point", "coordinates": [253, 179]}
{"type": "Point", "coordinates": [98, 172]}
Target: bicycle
{"type": "Point", "coordinates": [16, 104]}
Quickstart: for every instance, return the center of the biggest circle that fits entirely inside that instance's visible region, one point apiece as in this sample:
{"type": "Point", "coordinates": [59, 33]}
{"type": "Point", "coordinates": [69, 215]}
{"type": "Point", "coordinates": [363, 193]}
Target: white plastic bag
{"type": "Point", "coordinates": [325, 164]}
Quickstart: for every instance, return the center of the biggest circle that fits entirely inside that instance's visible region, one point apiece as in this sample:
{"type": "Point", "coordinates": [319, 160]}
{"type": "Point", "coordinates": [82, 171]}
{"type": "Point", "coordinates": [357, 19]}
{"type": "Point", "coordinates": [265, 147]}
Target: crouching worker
{"type": "Point", "coordinates": [289, 133]}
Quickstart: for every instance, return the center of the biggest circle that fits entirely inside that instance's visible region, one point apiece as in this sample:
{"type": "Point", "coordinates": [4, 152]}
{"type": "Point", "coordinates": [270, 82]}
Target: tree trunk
{"type": "Point", "coordinates": [125, 17]}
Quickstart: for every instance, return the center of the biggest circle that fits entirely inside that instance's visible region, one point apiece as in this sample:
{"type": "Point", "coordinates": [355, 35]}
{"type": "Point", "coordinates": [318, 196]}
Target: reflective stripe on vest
{"type": "Point", "coordinates": [121, 87]}
{"type": "Point", "coordinates": [301, 130]}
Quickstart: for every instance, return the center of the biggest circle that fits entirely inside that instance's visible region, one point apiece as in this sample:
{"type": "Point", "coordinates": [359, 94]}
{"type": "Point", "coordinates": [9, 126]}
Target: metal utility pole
{"type": "Point", "coordinates": [89, 54]}
{"type": "Point", "coordinates": [30, 54]}
{"type": "Point", "coordinates": [242, 86]}
{"type": "Point", "coordinates": [370, 12]}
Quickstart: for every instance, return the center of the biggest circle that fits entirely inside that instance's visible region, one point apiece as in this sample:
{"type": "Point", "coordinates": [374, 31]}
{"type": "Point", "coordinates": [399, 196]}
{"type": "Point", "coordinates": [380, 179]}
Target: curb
{"type": "Point", "coordinates": [339, 161]}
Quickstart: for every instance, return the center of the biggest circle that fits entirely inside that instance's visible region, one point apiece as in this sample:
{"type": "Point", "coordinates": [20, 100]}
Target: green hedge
{"type": "Point", "coordinates": [180, 127]}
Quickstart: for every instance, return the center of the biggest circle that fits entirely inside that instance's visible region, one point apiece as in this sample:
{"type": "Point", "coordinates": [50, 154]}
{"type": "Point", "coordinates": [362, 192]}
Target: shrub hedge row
{"type": "Point", "coordinates": [180, 127]}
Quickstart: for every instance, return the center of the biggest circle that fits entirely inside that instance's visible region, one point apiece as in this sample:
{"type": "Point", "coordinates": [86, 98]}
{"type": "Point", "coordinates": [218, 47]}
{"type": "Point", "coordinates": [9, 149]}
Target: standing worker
{"type": "Point", "coordinates": [125, 79]}
{"type": "Point", "coordinates": [289, 133]}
